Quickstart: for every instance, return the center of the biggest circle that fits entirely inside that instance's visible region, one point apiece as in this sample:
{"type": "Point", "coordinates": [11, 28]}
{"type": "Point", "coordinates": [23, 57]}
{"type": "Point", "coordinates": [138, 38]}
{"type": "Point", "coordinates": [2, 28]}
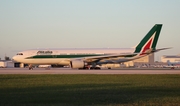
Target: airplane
{"type": "Point", "coordinates": [82, 58]}
{"type": "Point", "coordinates": [173, 63]}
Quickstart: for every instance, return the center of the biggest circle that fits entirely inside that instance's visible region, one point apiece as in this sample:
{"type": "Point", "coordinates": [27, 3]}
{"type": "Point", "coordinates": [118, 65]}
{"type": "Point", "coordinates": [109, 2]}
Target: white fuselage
{"type": "Point", "coordinates": [63, 56]}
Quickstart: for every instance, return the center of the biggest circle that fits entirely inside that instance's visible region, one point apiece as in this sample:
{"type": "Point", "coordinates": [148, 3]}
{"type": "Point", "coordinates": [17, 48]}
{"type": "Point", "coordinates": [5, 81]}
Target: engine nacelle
{"type": "Point", "coordinates": [77, 64]}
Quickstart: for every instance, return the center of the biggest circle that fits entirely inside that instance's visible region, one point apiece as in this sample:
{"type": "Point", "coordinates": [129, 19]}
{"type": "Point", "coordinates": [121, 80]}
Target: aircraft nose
{"type": "Point", "coordinates": [14, 58]}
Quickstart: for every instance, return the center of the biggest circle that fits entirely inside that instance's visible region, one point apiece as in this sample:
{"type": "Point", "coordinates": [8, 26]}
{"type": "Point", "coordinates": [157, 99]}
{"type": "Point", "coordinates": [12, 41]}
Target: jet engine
{"type": "Point", "coordinates": [77, 64]}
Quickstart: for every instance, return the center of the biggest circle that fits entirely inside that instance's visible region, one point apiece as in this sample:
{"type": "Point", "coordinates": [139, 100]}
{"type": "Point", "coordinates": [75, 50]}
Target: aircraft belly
{"type": "Point", "coordinates": [46, 61]}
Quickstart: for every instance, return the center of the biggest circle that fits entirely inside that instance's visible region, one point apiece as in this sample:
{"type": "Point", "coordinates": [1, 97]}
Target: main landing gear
{"type": "Point", "coordinates": [90, 68]}
{"type": "Point", "coordinates": [95, 68]}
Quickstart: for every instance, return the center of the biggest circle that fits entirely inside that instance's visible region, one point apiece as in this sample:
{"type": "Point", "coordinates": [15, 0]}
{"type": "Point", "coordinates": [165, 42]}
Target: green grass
{"type": "Point", "coordinates": [89, 90]}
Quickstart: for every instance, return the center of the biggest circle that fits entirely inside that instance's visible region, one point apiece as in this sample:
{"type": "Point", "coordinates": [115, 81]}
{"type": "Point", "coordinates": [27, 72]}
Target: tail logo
{"type": "Point", "coordinates": [148, 43]}
{"type": "Point", "coordinates": [147, 47]}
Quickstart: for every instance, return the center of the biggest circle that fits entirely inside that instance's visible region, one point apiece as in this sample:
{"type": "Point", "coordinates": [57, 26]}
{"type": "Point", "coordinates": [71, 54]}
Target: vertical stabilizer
{"type": "Point", "coordinates": [149, 42]}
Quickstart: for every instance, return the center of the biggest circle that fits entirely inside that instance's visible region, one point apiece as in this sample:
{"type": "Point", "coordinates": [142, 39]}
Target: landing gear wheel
{"type": "Point", "coordinates": [30, 67]}
{"type": "Point", "coordinates": [95, 68]}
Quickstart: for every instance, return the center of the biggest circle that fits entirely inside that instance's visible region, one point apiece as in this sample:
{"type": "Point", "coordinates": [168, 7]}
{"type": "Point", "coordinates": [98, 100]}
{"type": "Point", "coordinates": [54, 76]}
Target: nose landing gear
{"type": "Point", "coordinates": [30, 67]}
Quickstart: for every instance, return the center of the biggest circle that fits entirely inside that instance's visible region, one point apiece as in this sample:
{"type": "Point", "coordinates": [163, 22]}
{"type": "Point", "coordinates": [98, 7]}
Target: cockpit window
{"type": "Point", "coordinates": [20, 54]}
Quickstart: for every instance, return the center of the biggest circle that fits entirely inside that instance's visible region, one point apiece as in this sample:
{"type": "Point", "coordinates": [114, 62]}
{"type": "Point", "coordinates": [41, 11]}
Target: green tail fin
{"type": "Point", "coordinates": [150, 40]}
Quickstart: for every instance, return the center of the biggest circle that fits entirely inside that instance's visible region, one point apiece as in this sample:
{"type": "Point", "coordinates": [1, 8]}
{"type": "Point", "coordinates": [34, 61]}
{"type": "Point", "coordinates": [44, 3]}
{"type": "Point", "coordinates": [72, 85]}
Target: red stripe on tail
{"type": "Point", "coordinates": [146, 47]}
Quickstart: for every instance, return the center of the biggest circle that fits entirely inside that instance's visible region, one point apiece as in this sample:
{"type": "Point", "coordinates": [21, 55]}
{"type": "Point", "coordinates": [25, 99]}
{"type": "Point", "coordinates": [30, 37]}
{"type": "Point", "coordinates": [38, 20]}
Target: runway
{"type": "Point", "coordinates": [76, 71]}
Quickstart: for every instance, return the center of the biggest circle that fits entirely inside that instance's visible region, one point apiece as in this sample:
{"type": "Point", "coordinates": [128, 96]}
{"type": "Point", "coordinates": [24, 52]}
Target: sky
{"type": "Point", "coordinates": [32, 24]}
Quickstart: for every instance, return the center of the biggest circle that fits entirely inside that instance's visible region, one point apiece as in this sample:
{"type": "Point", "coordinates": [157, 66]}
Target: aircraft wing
{"type": "Point", "coordinates": [110, 56]}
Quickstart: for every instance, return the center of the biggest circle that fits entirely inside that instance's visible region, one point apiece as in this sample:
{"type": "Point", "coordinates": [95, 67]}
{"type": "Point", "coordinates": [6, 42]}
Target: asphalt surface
{"type": "Point", "coordinates": [76, 71]}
